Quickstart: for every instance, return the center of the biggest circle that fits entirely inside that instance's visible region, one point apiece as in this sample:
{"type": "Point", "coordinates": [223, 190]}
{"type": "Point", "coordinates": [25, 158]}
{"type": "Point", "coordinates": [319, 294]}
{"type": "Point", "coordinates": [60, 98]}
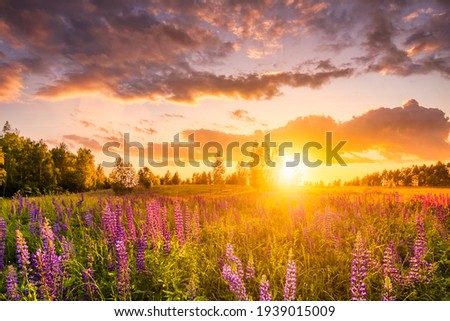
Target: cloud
{"type": "Point", "coordinates": [80, 141]}
{"type": "Point", "coordinates": [168, 116]}
{"type": "Point", "coordinates": [410, 129]}
{"type": "Point", "coordinates": [178, 51]}
{"type": "Point", "coordinates": [10, 82]}
{"type": "Point", "coordinates": [242, 115]}
{"type": "Point", "coordinates": [148, 131]}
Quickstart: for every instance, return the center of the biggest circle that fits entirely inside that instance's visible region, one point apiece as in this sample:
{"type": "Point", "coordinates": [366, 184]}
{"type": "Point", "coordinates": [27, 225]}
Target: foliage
{"type": "Point", "coordinates": [432, 175]}
{"type": "Point", "coordinates": [123, 178]}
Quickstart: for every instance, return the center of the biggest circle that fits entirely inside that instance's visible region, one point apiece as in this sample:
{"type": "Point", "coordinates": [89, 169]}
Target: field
{"type": "Point", "coordinates": [227, 243]}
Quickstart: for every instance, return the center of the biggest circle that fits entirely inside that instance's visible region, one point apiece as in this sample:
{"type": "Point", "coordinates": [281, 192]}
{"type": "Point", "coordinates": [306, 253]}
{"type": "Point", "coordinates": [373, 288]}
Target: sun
{"type": "Point", "coordinates": [291, 175]}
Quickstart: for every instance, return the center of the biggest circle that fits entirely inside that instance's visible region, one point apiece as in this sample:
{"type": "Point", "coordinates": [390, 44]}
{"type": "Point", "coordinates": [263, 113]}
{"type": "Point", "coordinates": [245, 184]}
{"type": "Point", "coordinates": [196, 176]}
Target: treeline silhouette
{"type": "Point", "coordinates": [432, 175]}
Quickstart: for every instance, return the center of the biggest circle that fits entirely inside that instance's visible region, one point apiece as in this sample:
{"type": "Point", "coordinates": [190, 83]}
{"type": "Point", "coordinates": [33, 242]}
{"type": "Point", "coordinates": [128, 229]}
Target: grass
{"type": "Point", "coordinates": [318, 225]}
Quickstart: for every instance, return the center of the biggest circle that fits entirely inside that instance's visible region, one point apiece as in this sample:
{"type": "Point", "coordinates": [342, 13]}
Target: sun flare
{"type": "Point", "coordinates": [291, 175]}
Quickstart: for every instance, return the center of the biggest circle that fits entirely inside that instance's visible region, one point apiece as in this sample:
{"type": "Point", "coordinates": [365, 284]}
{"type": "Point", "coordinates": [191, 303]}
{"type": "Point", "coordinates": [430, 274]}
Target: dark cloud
{"type": "Point", "coordinates": [170, 49]}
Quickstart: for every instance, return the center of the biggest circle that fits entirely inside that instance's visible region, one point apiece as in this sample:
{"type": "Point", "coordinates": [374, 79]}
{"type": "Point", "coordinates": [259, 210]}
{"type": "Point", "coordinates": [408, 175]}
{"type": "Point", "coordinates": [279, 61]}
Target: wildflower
{"type": "Point", "coordinates": [196, 229]}
{"type": "Point", "coordinates": [233, 273]}
{"type": "Point", "coordinates": [178, 217]}
{"type": "Point", "coordinates": [290, 284]}
{"type": "Point", "coordinates": [166, 231]}
{"type": "Point", "coordinates": [2, 242]}
{"type": "Point", "coordinates": [140, 253]}
{"type": "Point", "coordinates": [420, 269]}
{"type": "Point", "coordinates": [250, 269]}
{"type": "Point", "coordinates": [12, 289]}
{"type": "Point", "coordinates": [23, 256]}
{"type": "Point", "coordinates": [389, 259]}
{"type": "Point", "coordinates": [235, 283]}
{"type": "Point", "coordinates": [130, 220]}
{"type": "Point", "coordinates": [123, 272]}
{"type": "Point", "coordinates": [387, 290]}
{"type": "Point", "coordinates": [264, 286]}
{"type": "Point", "coordinates": [87, 275]}
{"type": "Point", "coordinates": [187, 223]}
{"type": "Point", "coordinates": [359, 271]}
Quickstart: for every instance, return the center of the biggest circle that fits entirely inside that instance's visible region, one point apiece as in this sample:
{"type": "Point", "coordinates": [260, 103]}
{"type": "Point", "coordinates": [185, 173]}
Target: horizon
{"type": "Point", "coordinates": [375, 75]}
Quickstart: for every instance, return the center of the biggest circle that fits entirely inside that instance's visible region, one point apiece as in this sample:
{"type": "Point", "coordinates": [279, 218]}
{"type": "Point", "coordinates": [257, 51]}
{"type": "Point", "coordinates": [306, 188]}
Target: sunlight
{"type": "Point", "coordinates": [291, 175]}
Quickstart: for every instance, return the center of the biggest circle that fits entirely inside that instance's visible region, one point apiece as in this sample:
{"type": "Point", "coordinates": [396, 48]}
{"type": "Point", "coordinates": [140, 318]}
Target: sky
{"type": "Point", "coordinates": [375, 73]}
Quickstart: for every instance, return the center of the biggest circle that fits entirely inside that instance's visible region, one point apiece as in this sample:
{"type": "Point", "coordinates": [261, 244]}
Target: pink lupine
{"type": "Point", "coordinates": [290, 284]}
{"type": "Point", "coordinates": [359, 271]}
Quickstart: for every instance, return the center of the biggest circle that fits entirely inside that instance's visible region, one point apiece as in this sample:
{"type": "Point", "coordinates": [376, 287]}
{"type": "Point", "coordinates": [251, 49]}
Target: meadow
{"type": "Point", "coordinates": [228, 243]}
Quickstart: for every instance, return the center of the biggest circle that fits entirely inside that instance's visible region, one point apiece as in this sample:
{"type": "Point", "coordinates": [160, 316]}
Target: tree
{"type": "Point", "coordinates": [123, 178]}
{"type": "Point", "coordinates": [146, 178]}
{"type": "Point", "coordinates": [2, 171]}
{"type": "Point", "coordinates": [218, 175]}
{"type": "Point", "coordinates": [167, 179]}
{"type": "Point", "coordinates": [176, 180]}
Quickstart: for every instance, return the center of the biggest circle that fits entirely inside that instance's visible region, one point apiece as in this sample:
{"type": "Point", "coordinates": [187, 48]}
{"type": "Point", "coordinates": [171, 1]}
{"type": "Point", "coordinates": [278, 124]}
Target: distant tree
{"type": "Point", "coordinates": [85, 169]}
{"type": "Point", "coordinates": [218, 174]}
{"type": "Point", "coordinates": [123, 178]}
{"type": "Point", "coordinates": [101, 181]}
{"type": "Point", "coordinates": [146, 178]}
{"type": "Point", "coordinates": [176, 180]}
{"type": "Point", "coordinates": [2, 170]}
{"type": "Point", "coordinates": [167, 179]}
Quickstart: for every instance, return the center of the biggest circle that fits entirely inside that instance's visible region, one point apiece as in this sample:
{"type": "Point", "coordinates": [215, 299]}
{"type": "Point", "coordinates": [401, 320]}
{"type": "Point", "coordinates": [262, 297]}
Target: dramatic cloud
{"type": "Point", "coordinates": [407, 130]}
{"type": "Point", "coordinates": [181, 51]}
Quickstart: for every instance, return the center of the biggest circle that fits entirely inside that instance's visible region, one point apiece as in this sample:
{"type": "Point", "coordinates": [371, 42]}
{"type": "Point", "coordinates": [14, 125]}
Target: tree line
{"type": "Point", "coordinates": [30, 168]}
{"type": "Point", "coordinates": [432, 175]}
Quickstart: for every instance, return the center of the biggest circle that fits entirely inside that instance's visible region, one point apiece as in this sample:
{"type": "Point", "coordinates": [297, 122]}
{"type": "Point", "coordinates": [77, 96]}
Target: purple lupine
{"type": "Point", "coordinates": [264, 286]}
{"type": "Point", "coordinates": [68, 251]}
{"type": "Point", "coordinates": [51, 262]}
{"type": "Point", "coordinates": [233, 273]}
{"type": "Point", "coordinates": [23, 255]}
{"type": "Point", "coordinates": [19, 204]}
{"type": "Point", "coordinates": [420, 269]}
{"type": "Point", "coordinates": [359, 271]}
{"type": "Point", "coordinates": [178, 218]}
{"type": "Point", "coordinates": [233, 259]}
{"type": "Point", "coordinates": [187, 224]}
{"type": "Point", "coordinates": [39, 268]}
{"type": "Point", "coordinates": [109, 224]}
{"type": "Point", "coordinates": [130, 221]}
{"type": "Point", "coordinates": [290, 284]}
{"type": "Point", "coordinates": [12, 288]}
{"type": "Point", "coordinates": [87, 275]}
{"type": "Point", "coordinates": [35, 219]}
{"type": "Point", "coordinates": [250, 269]}
{"type": "Point", "coordinates": [166, 231]}
{"type": "Point", "coordinates": [88, 219]}
{"type": "Point", "coordinates": [196, 228]}
{"type": "Point", "coordinates": [2, 242]}
{"type": "Point", "coordinates": [235, 283]}
{"type": "Point", "coordinates": [154, 225]}
{"type": "Point", "coordinates": [387, 290]}
{"type": "Point", "coordinates": [390, 259]}
{"type": "Point", "coordinates": [140, 253]}
{"type": "Point", "coordinates": [123, 271]}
